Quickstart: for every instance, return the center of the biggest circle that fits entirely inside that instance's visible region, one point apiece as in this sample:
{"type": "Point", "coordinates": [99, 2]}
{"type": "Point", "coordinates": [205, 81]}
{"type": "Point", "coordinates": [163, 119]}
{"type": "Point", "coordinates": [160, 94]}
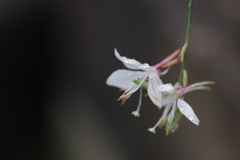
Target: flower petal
{"type": "Point", "coordinates": [168, 99]}
{"type": "Point", "coordinates": [129, 63]}
{"type": "Point", "coordinates": [123, 78]}
{"type": "Point", "coordinates": [172, 112]}
{"type": "Point", "coordinates": [187, 111]}
{"type": "Point", "coordinates": [165, 71]}
{"type": "Point", "coordinates": [166, 88]}
{"type": "Point", "coordinates": [153, 73]}
{"type": "Point", "coordinates": [153, 92]}
{"type": "Point", "coordinates": [146, 67]}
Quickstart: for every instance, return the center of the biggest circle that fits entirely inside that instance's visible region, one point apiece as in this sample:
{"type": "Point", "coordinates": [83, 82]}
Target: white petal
{"type": "Point", "coordinates": [172, 112]}
{"type": "Point", "coordinates": [153, 92]}
{"type": "Point", "coordinates": [165, 71]}
{"type": "Point", "coordinates": [187, 111]}
{"type": "Point", "coordinates": [146, 67]}
{"type": "Point", "coordinates": [169, 99]}
{"type": "Point", "coordinates": [166, 88]}
{"type": "Point", "coordinates": [165, 112]}
{"type": "Point", "coordinates": [169, 93]}
{"type": "Point", "coordinates": [129, 63]}
{"type": "Point", "coordinates": [123, 78]}
{"type": "Point", "coordinates": [153, 73]}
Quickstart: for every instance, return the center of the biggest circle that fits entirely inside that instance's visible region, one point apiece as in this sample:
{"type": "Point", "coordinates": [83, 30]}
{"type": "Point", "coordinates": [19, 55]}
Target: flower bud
{"type": "Point", "coordinates": [185, 78]}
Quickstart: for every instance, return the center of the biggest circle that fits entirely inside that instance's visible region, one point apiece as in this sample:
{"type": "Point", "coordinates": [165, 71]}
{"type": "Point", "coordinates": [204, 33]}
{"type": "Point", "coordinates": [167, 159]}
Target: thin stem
{"type": "Point", "coordinates": [189, 20]}
{"type": "Point", "coordinates": [185, 47]}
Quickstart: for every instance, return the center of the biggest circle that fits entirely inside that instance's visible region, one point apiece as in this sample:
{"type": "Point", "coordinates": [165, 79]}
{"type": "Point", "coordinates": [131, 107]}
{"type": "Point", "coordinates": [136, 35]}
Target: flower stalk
{"type": "Point", "coordinates": [185, 46]}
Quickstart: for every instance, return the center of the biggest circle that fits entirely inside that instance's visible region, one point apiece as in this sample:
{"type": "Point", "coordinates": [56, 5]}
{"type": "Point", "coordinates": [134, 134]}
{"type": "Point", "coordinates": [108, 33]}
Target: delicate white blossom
{"type": "Point", "coordinates": [123, 79]}
{"type": "Point", "coordinates": [173, 103]}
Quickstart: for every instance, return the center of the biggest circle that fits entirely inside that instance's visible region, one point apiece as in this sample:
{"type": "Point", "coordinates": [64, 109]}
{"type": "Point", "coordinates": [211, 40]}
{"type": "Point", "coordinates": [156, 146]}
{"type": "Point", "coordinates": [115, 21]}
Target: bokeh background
{"type": "Point", "coordinates": [56, 56]}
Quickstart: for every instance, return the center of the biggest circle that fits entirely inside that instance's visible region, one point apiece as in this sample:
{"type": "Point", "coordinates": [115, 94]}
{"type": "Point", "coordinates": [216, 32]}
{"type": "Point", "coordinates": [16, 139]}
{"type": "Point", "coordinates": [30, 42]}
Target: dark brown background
{"type": "Point", "coordinates": [56, 56]}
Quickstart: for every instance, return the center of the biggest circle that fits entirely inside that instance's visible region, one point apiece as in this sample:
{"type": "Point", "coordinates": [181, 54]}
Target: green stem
{"type": "Point", "coordinates": [185, 47]}
{"type": "Point", "coordinates": [189, 20]}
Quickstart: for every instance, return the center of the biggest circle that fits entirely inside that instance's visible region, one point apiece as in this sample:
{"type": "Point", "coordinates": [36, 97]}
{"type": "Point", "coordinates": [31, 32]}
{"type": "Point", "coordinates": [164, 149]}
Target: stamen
{"type": "Point", "coordinates": [135, 87]}
{"type": "Point", "coordinates": [123, 98]}
{"type": "Point", "coordinates": [146, 79]}
{"type": "Point", "coordinates": [170, 117]}
{"type": "Point", "coordinates": [122, 89]}
{"type": "Point", "coordinates": [124, 95]}
{"type": "Point", "coordinates": [155, 98]}
{"type": "Point", "coordinates": [123, 101]}
{"type": "Point", "coordinates": [167, 129]}
{"type": "Point", "coordinates": [159, 123]}
{"type": "Point", "coordinates": [158, 106]}
{"type": "Point", "coordinates": [160, 120]}
{"type": "Point", "coordinates": [156, 103]}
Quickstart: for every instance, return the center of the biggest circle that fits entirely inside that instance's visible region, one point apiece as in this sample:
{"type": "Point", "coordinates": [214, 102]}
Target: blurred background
{"type": "Point", "coordinates": [57, 55]}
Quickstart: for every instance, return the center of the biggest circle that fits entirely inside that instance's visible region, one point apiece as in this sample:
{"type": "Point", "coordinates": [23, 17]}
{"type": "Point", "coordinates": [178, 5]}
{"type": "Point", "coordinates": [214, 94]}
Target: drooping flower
{"type": "Point", "coordinates": [175, 106]}
{"type": "Point", "coordinates": [131, 81]}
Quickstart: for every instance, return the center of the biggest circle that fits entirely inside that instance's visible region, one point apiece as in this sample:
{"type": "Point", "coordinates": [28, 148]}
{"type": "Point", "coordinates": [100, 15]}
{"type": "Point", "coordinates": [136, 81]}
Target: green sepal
{"type": "Point", "coordinates": [144, 84]}
{"type": "Point", "coordinates": [175, 122]}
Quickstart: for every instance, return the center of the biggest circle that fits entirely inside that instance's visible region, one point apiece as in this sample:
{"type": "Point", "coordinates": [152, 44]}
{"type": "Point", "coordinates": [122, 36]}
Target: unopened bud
{"type": "Point", "coordinates": [183, 51]}
{"type": "Point", "coordinates": [185, 78]}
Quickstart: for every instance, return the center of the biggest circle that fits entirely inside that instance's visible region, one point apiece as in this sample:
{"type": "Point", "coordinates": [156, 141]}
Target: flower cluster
{"type": "Point", "coordinates": [167, 96]}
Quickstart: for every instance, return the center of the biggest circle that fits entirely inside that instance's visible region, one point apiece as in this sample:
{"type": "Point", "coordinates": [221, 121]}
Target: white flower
{"type": "Point", "coordinates": [123, 79]}
{"type": "Point", "coordinates": [172, 102]}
